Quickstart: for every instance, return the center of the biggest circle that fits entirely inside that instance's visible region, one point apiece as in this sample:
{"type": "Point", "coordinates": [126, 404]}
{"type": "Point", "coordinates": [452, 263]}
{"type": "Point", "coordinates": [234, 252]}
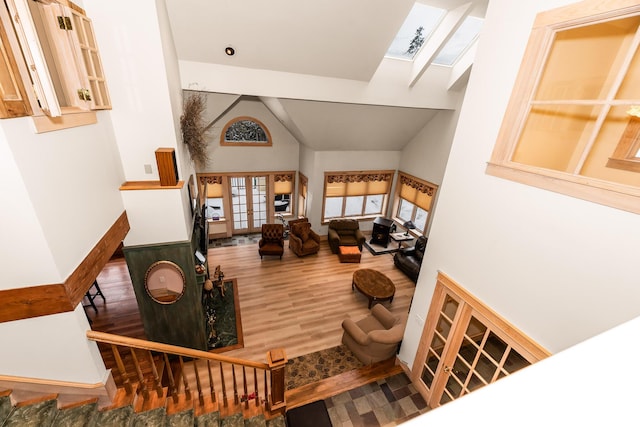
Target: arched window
{"type": "Point", "coordinates": [245, 131]}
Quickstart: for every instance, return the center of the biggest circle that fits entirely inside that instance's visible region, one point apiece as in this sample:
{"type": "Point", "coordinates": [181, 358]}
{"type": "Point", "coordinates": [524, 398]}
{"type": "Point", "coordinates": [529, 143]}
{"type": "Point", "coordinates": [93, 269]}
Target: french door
{"type": "Point", "coordinates": [248, 203]}
{"type": "Point", "coordinates": [466, 346]}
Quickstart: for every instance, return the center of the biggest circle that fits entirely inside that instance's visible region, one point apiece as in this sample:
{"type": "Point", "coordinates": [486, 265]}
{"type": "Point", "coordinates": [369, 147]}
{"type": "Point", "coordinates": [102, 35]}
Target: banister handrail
{"type": "Point", "coordinates": [173, 349]}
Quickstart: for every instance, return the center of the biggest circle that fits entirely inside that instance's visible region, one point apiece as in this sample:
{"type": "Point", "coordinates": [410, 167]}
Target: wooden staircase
{"type": "Point", "coordinates": [163, 385]}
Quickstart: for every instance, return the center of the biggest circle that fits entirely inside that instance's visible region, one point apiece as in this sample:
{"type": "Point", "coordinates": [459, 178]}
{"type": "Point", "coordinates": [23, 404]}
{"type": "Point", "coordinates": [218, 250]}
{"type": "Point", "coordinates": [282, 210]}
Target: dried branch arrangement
{"type": "Point", "coordinates": [194, 132]}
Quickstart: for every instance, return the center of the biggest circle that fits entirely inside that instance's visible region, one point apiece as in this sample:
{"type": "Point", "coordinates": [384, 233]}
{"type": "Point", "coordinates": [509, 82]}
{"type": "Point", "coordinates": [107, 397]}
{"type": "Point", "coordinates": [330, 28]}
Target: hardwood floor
{"type": "Point", "coordinates": [297, 304]}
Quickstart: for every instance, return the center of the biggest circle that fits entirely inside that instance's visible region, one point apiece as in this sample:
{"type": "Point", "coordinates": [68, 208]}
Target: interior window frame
{"type": "Point", "coordinates": [66, 46]}
{"type": "Point", "coordinates": [609, 193]}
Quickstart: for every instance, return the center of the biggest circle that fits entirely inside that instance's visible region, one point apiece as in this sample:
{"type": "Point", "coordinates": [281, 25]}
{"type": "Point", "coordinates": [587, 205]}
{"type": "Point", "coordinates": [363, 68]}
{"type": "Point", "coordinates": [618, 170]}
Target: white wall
{"type": "Point", "coordinates": [141, 68]}
{"type": "Point", "coordinates": [426, 155]}
{"type": "Point", "coordinates": [72, 178]}
{"type": "Point", "coordinates": [281, 156]}
{"type": "Point", "coordinates": [52, 347]}
{"type": "Point", "coordinates": [20, 229]}
{"type": "Point", "coordinates": [558, 268]}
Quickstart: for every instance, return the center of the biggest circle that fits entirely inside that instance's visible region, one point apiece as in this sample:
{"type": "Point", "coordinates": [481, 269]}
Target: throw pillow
{"type": "Point", "coordinates": [304, 231]}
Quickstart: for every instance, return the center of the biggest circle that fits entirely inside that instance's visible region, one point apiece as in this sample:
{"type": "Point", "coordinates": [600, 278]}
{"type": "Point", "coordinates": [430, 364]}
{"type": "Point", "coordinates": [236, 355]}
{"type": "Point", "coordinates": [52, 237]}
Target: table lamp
{"type": "Point", "coordinates": [409, 226]}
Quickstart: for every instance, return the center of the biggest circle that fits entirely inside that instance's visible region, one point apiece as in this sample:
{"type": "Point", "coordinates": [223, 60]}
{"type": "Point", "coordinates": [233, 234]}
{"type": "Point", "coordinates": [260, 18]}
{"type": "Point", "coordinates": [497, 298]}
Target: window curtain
{"type": "Point", "coordinates": [417, 192]}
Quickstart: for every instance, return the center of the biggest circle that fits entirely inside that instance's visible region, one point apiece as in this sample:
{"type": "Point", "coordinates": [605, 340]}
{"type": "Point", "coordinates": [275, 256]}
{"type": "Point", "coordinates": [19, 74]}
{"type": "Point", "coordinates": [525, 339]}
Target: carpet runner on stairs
{"type": "Point", "coordinates": [46, 413]}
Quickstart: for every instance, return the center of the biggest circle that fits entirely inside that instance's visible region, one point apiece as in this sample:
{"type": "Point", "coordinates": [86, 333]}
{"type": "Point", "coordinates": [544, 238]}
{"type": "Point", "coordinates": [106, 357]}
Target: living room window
{"type": "Point", "coordinates": [62, 60]}
{"type": "Point", "coordinates": [571, 125]}
{"type": "Point", "coordinates": [214, 203]}
{"type": "Point", "coordinates": [356, 194]}
{"type": "Point", "coordinates": [283, 190]}
{"type": "Point", "coordinates": [245, 131]}
{"type": "Point", "coordinates": [412, 201]}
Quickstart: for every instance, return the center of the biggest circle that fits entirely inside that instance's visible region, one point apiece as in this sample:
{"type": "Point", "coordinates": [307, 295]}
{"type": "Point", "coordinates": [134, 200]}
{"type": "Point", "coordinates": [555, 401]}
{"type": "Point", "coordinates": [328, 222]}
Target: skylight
{"type": "Point", "coordinates": [417, 28]}
{"type": "Point", "coordinates": [460, 41]}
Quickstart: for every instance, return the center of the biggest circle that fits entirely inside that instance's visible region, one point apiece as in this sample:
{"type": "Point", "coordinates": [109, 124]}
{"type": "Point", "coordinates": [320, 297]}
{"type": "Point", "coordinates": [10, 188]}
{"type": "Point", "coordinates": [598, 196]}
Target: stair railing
{"type": "Point", "coordinates": [144, 367]}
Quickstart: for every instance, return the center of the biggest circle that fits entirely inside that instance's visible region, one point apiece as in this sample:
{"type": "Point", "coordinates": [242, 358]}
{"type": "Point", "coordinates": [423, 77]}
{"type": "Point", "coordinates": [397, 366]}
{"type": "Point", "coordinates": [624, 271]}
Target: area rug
{"type": "Point", "coordinates": [379, 249]}
{"type": "Point", "coordinates": [312, 414]}
{"type": "Point", "coordinates": [222, 311]}
{"type": "Point", "coordinates": [317, 366]}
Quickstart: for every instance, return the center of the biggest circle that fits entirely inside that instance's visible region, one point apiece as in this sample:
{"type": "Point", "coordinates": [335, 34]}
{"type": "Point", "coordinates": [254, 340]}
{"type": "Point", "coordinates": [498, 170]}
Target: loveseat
{"type": "Point", "coordinates": [409, 260]}
{"type": "Point", "coordinates": [344, 232]}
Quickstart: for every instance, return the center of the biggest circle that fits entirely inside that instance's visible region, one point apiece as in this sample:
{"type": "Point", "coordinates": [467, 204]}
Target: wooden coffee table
{"type": "Point", "coordinates": [373, 284]}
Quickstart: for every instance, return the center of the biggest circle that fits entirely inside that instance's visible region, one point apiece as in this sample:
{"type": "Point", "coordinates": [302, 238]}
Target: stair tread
{"type": "Point", "coordinates": [211, 419]}
{"type": "Point", "coordinates": [5, 408]}
{"type": "Point", "coordinates": [76, 416]}
{"type": "Point", "coordinates": [153, 417]}
{"type": "Point", "coordinates": [234, 420]}
{"type": "Point", "coordinates": [181, 419]}
{"type": "Point", "coordinates": [113, 417]}
{"type": "Point", "coordinates": [36, 415]}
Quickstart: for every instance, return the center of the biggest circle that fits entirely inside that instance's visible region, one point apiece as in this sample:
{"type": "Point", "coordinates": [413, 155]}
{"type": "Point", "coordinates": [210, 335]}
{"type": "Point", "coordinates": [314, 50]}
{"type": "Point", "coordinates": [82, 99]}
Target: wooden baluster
{"type": "Point", "coordinates": [141, 381]}
{"type": "Point", "coordinates": [157, 383]}
{"type": "Point", "coordinates": [244, 384]}
{"type": "Point", "coordinates": [198, 385]}
{"type": "Point", "coordinates": [224, 388]}
{"type": "Point", "coordinates": [277, 360]}
{"type": "Point", "coordinates": [266, 389]}
{"type": "Point", "coordinates": [121, 369]}
{"type": "Point", "coordinates": [236, 399]}
{"type": "Point", "coordinates": [255, 386]}
{"type": "Point", "coordinates": [211, 385]}
{"type": "Point", "coordinates": [173, 390]}
{"type": "Point", "coordinates": [187, 390]}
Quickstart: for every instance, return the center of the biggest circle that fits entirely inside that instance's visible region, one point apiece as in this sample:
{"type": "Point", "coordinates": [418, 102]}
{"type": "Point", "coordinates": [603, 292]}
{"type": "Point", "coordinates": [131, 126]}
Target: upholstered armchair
{"type": "Point", "coordinates": [272, 241]}
{"type": "Point", "coordinates": [409, 260]}
{"type": "Point", "coordinates": [302, 239]}
{"type": "Point", "coordinates": [376, 337]}
{"type": "Point", "coordinates": [344, 232]}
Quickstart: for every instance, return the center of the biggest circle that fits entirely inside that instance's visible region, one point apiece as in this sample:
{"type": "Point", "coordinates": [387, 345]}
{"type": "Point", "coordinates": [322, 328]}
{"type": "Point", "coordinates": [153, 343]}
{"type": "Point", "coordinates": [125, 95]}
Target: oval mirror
{"type": "Point", "coordinates": [164, 281]}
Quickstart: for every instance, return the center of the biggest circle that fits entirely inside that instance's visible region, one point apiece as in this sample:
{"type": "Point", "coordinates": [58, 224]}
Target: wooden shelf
{"type": "Point", "coordinates": [149, 185]}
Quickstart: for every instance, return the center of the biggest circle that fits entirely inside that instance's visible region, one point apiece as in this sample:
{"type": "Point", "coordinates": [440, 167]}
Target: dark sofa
{"type": "Point", "coordinates": [344, 232]}
{"type": "Point", "coordinates": [409, 260]}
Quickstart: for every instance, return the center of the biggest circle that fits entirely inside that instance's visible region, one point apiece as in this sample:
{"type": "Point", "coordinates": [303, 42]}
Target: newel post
{"type": "Point", "coordinates": [277, 360]}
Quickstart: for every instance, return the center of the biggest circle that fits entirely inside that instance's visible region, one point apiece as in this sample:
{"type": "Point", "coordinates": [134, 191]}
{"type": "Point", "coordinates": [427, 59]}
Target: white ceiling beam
{"type": "Point", "coordinates": [461, 69]}
{"type": "Point", "coordinates": [277, 109]}
{"type": "Point", "coordinates": [450, 23]}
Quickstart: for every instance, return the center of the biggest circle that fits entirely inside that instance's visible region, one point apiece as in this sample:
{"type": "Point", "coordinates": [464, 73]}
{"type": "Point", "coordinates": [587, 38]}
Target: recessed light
{"type": "Point", "coordinates": [229, 50]}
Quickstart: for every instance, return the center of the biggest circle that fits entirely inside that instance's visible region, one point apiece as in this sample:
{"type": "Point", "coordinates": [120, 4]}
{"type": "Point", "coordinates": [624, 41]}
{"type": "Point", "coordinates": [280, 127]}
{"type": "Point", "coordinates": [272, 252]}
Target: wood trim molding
{"type": "Point", "coordinates": [149, 185]}
{"type": "Point", "coordinates": [44, 300]}
{"type": "Point", "coordinates": [65, 390]}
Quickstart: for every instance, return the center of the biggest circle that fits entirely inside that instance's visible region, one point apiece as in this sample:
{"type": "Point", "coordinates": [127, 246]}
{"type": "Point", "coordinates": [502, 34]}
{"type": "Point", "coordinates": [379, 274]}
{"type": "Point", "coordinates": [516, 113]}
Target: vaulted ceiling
{"type": "Point", "coordinates": [332, 39]}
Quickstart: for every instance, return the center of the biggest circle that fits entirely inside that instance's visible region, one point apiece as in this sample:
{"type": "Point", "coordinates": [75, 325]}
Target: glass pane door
{"type": "Point", "coordinates": [259, 202]}
{"type": "Point", "coordinates": [482, 358]}
{"type": "Point", "coordinates": [248, 203]}
{"type": "Point", "coordinates": [465, 346]}
{"type": "Point", "coordinates": [445, 311]}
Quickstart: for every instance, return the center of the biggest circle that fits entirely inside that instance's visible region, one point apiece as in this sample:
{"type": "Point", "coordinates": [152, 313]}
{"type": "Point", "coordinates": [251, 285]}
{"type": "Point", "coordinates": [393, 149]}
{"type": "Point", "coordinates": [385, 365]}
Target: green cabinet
{"type": "Point", "coordinates": [178, 320]}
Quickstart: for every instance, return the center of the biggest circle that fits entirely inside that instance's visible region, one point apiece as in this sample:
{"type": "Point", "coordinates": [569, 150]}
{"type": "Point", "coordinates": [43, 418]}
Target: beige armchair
{"type": "Point", "coordinates": [376, 337]}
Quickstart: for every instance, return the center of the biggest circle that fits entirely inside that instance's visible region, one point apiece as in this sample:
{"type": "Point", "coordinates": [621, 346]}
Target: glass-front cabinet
{"type": "Point", "coordinates": [465, 346]}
